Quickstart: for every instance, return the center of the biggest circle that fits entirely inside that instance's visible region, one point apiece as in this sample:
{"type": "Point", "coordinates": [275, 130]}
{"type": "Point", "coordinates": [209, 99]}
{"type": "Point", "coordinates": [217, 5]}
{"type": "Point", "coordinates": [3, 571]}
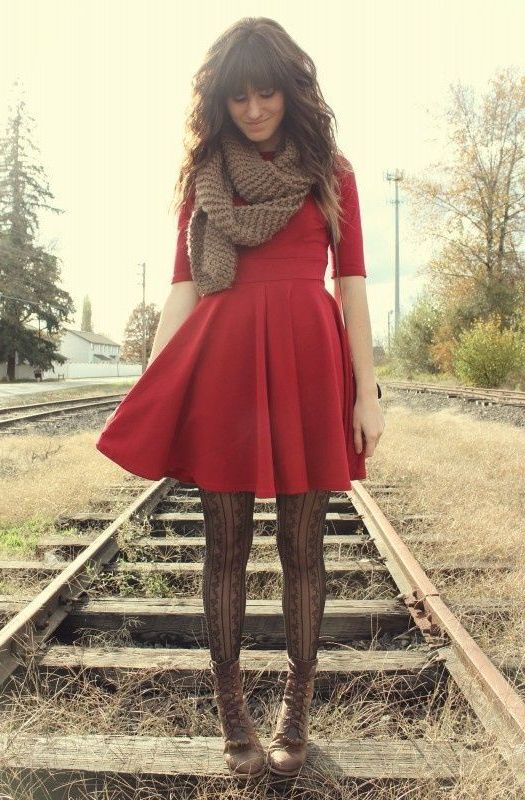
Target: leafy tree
{"type": "Point", "coordinates": [132, 347]}
{"type": "Point", "coordinates": [87, 324]}
{"type": "Point", "coordinates": [29, 275]}
{"type": "Point", "coordinates": [415, 335]}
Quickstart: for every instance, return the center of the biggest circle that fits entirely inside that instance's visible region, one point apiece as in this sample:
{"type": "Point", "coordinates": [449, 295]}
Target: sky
{"type": "Point", "coordinates": [108, 84]}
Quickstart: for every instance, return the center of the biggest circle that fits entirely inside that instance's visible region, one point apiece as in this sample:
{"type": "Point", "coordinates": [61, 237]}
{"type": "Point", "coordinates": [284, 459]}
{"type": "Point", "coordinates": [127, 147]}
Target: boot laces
{"type": "Point", "coordinates": [233, 709]}
{"type": "Point", "coordinates": [296, 695]}
{"type": "Point", "coordinates": [231, 701]}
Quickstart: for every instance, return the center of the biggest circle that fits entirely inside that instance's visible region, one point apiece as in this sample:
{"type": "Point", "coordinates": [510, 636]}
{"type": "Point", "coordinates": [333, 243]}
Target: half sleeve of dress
{"type": "Point", "coordinates": [181, 266]}
{"type": "Point", "coordinates": [350, 245]}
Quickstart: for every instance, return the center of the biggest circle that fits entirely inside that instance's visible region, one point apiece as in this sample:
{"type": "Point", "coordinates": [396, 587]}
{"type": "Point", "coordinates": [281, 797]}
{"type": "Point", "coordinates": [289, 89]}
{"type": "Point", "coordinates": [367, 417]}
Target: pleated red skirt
{"type": "Point", "coordinates": [253, 392]}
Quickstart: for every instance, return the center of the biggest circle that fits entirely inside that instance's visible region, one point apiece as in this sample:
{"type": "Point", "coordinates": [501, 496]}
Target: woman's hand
{"type": "Point", "coordinates": [368, 423]}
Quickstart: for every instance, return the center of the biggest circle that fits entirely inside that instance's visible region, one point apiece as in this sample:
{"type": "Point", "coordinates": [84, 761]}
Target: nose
{"type": "Point", "coordinates": [254, 111]}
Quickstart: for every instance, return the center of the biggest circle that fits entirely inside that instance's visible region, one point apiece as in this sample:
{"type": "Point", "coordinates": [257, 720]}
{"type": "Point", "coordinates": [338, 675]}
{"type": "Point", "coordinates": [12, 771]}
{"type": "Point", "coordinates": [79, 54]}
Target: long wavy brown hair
{"type": "Point", "coordinates": [258, 52]}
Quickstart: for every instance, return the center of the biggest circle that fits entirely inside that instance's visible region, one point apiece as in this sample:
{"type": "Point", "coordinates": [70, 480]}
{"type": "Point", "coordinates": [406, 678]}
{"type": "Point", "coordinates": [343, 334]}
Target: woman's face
{"type": "Point", "coordinates": [258, 114]}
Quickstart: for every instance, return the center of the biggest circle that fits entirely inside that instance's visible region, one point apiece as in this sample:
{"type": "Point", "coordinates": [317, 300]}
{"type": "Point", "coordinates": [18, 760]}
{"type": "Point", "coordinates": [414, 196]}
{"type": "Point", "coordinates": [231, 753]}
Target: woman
{"type": "Point", "coordinates": [251, 387]}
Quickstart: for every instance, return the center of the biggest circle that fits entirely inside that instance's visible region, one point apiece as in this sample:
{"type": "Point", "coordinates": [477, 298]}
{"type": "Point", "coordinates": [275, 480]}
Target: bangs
{"type": "Point", "coordinates": [247, 67]}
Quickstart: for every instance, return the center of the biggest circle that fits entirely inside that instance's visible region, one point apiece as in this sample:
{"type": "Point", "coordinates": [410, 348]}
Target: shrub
{"type": "Point", "coordinates": [487, 354]}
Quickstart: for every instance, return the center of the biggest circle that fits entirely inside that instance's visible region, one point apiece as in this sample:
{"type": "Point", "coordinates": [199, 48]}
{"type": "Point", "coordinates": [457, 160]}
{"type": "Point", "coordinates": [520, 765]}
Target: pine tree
{"type": "Point", "coordinates": [29, 274]}
{"type": "Point", "coordinates": [132, 347]}
{"type": "Point", "coordinates": [87, 324]}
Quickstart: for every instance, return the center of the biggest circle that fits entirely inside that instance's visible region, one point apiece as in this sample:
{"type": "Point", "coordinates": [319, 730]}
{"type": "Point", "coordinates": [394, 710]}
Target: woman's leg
{"type": "Point", "coordinates": [300, 532]}
{"type": "Point", "coordinates": [228, 525]}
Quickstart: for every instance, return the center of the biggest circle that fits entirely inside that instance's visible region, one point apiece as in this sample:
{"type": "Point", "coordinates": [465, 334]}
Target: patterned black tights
{"type": "Point", "coordinates": [228, 526]}
{"type": "Point", "coordinates": [300, 531]}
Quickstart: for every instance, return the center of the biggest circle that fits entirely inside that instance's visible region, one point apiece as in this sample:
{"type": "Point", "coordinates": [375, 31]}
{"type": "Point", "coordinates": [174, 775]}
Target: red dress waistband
{"type": "Point", "coordinates": [274, 269]}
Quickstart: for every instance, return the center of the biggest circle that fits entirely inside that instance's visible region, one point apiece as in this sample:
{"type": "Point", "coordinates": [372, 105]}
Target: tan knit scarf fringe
{"type": "Point", "coordinates": [275, 189]}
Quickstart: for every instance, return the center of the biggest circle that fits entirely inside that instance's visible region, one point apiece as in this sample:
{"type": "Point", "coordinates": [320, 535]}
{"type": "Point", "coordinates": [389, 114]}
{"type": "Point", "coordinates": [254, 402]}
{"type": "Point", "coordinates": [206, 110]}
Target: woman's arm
{"type": "Point", "coordinates": [359, 329]}
{"type": "Point", "coordinates": [183, 295]}
{"type": "Point", "coordinates": [180, 302]}
{"type": "Point", "coordinates": [368, 418]}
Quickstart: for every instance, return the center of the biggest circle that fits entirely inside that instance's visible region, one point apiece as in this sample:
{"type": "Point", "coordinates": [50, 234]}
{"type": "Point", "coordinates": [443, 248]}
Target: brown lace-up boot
{"type": "Point", "coordinates": [287, 749]}
{"type": "Point", "coordinates": [244, 753]}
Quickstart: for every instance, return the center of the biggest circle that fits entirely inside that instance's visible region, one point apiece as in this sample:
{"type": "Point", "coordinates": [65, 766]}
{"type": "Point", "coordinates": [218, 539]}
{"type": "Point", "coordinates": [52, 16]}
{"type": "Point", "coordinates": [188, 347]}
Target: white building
{"type": "Point", "coordinates": [88, 355]}
{"type": "Point", "coordinates": [88, 348]}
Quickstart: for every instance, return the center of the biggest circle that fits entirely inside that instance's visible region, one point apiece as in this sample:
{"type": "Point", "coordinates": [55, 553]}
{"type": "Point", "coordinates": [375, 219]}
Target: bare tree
{"type": "Point", "coordinates": [475, 211]}
{"type": "Point", "coordinates": [132, 347]}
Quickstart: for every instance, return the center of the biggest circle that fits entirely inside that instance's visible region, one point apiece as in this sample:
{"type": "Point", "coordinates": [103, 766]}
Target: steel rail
{"type": "Point", "coordinates": [501, 396]}
{"type": "Point", "coordinates": [6, 410]}
{"type": "Point", "coordinates": [6, 421]}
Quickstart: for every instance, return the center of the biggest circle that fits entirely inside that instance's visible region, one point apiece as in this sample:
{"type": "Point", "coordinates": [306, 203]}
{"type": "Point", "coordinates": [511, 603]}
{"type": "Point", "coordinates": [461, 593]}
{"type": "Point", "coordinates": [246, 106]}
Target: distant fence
{"type": "Point", "coordinates": [73, 369]}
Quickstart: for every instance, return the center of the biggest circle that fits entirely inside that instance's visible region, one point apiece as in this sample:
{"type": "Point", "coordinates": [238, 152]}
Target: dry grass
{"type": "Point", "coordinates": [49, 475]}
{"type": "Point", "coordinates": [42, 477]}
{"type": "Point", "coordinates": [469, 472]}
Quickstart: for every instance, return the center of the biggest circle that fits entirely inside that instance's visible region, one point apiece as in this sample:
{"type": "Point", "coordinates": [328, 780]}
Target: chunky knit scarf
{"type": "Point", "coordinates": [274, 189]}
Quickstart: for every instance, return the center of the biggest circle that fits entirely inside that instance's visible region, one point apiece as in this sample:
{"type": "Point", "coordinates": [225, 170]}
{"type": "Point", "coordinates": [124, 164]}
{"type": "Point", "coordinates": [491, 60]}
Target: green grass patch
{"type": "Point", "coordinates": [20, 539]}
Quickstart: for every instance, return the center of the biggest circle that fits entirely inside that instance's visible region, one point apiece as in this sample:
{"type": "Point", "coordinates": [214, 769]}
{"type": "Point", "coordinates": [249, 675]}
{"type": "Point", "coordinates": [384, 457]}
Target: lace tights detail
{"type": "Point", "coordinates": [228, 526]}
{"type": "Point", "coordinates": [300, 532]}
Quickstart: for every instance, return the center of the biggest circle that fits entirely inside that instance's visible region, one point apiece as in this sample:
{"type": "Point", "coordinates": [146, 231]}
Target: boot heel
{"type": "Point", "coordinates": [243, 751]}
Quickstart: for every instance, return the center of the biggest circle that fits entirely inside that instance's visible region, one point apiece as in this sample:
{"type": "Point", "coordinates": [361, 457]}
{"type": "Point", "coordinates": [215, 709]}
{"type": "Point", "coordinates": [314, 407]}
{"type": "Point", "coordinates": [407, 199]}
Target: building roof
{"type": "Point", "coordinates": [95, 338]}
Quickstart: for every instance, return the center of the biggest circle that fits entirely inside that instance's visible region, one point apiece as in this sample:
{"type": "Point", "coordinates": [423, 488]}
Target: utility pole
{"type": "Point", "coordinates": [396, 176]}
{"type": "Point", "coordinates": [391, 311]}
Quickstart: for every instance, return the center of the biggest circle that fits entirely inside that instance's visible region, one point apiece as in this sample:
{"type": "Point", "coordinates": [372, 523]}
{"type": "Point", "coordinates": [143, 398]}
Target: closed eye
{"type": "Point", "coordinates": [264, 93]}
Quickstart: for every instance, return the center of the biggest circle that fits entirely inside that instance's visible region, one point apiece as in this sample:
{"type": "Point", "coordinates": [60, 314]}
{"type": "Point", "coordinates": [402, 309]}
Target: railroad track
{"type": "Point", "coordinates": [471, 394]}
{"type": "Point", "coordinates": [169, 643]}
{"type": "Point", "coordinates": [34, 412]}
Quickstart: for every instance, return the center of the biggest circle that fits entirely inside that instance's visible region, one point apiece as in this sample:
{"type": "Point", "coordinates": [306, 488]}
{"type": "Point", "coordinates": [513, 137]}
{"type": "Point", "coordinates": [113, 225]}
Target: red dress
{"type": "Point", "coordinates": [255, 390]}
